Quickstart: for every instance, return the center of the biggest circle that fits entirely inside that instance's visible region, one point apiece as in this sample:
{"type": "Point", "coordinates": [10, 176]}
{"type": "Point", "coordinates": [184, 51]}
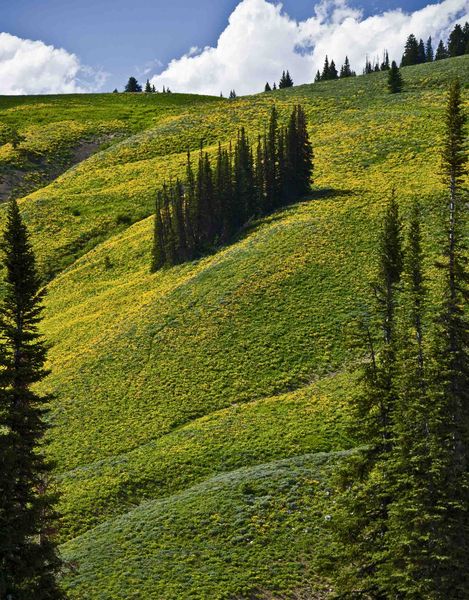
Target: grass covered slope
{"type": "Point", "coordinates": [163, 380]}
{"type": "Point", "coordinates": [234, 536]}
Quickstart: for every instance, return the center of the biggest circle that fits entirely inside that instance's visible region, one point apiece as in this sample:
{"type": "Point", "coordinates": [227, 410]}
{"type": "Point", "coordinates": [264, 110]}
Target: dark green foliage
{"type": "Point", "coordinates": [368, 67]}
{"type": "Point", "coordinates": [422, 55]}
{"type": "Point", "coordinates": [333, 71]}
{"type": "Point", "coordinates": [395, 82]}
{"type": "Point", "coordinates": [411, 52]}
{"type": "Point", "coordinates": [133, 86]}
{"type": "Point", "coordinates": [385, 65]}
{"type": "Point", "coordinates": [457, 42]}
{"type": "Point", "coordinates": [28, 558]}
{"type": "Point", "coordinates": [148, 88]}
{"type": "Point", "coordinates": [267, 87]}
{"type": "Point", "coordinates": [429, 54]}
{"type": "Point", "coordinates": [232, 95]}
{"type": "Point", "coordinates": [402, 520]}
{"type": "Point", "coordinates": [360, 518]}
{"type": "Point", "coordinates": [194, 217]}
{"type": "Point", "coordinates": [285, 81]}
{"type": "Point", "coordinates": [441, 51]}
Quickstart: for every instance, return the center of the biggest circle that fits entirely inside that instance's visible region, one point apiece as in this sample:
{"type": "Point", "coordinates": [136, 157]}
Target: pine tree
{"type": "Point", "coordinates": [28, 556]}
{"type": "Point", "coordinates": [411, 52]}
{"type": "Point", "coordinates": [133, 86]}
{"type": "Point", "coordinates": [385, 65]}
{"type": "Point", "coordinates": [148, 88]}
{"type": "Point", "coordinates": [429, 54]}
{"type": "Point", "coordinates": [395, 82]}
{"type": "Point", "coordinates": [345, 70]}
{"type": "Point", "coordinates": [456, 42]}
{"type": "Point", "coordinates": [274, 87]}
{"type": "Point", "coordinates": [422, 55]}
{"type": "Point", "coordinates": [271, 163]}
{"type": "Point", "coordinates": [333, 71]}
{"type": "Point", "coordinates": [267, 87]}
{"type": "Point", "coordinates": [153, 89]}
{"type": "Point", "coordinates": [325, 70]}
{"type": "Point", "coordinates": [288, 80]}
{"type": "Point", "coordinates": [318, 77]}
{"type": "Point", "coordinates": [368, 67]}
{"type": "Point", "coordinates": [407, 566]}
{"type": "Point", "coordinates": [441, 51]}
{"type": "Point", "coordinates": [360, 516]}
{"type": "Point", "coordinates": [158, 251]}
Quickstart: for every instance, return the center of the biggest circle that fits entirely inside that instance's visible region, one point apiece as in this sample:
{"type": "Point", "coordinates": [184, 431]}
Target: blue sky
{"type": "Point", "coordinates": [123, 36]}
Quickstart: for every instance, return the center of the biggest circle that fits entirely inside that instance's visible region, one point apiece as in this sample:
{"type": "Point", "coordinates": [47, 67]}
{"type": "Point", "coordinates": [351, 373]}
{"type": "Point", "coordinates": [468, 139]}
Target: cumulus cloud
{"type": "Point", "coordinates": [261, 40]}
{"type": "Point", "coordinates": [32, 67]}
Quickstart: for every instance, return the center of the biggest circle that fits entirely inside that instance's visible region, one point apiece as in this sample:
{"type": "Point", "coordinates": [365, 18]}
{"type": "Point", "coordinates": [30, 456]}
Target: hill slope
{"type": "Point", "coordinates": [164, 380]}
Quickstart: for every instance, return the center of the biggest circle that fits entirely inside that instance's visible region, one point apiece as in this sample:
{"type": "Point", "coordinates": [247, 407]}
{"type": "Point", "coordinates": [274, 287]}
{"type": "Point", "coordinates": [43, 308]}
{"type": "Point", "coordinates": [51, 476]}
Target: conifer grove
{"type": "Point", "coordinates": [245, 181]}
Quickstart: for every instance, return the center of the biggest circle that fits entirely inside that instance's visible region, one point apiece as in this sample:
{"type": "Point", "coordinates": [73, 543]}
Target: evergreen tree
{"type": "Point", "coordinates": [345, 70]}
{"type": "Point", "coordinates": [466, 37]}
{"type": "Point", "coordinates": [368, 67]}
{"type": "Point", "coordinates": [325, 70]}
{"type": "Point", "coordinates": [429, 55]}
{"type": "Point", "coordinates": [158, 251]}
{"type": "Point", "coordinates": [288, 80]}
{"type": "Point", "coordinates": [232, 95]}
{"type": "Point", "coordinates": [28, 556]}
{"type": "Point", "coordinates": [411, 52]}
{"type": "Point", "coordinates": [271, 163]}
{"type": "Point", "coordinates": [441, 51]}
{"type": "Point", "coordinates": [395, 82]}
{"type": "Point", "coordinates": [429, 521]}
{"type": "Point", "coordinates": [333, 71]}
{"type": "Point", "coordinates": [148, 88]}
{"type": "Point", "coordinates": [133, 86]}
{"type": "Point", "coordinates": [267, 87]}
{"type": "Point", "coordinates": [317, 78]}
{"type": "Point", "coordinates": [456, 42]}
{"type": "Point", "coordinates": [385, 65]}
{"type": "Point", "coordinates": [153, 89]}
{"type": "Point", "coordinates": [360, 518]}
{"type": "Point", "coordinates": [274, 87]}
{"type": "Point", "coordinates": [422, 55]}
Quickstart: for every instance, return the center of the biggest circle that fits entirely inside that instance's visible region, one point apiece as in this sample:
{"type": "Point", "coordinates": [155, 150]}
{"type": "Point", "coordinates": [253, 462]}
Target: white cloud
{"type": "Point", "coordinates": [32, 67]}
{"type": "Point", "coordinates": [261, 40]}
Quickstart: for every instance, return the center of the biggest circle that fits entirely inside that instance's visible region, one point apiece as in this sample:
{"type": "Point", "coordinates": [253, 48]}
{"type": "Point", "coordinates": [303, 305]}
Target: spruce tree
{"type": "Point", "coordinates": [271, 162]}
{"type": "Point", "coordinates": [158, 250]}
{"type": "Point", "coordinates": [441, 51]}
{"type": "Point", "coordinates": [411, 52]}
{"type": "Point", "coordinates": [318, 77]}
{"type": "Point", "coordinates": [148, 88]}
{"type": "Point", "coordinates": [288, 80]}
{"type": "Point", "coordinates": [333, 71]}
{"type": "Point", "coordinates": [456, 42]}
{"type": "Point", "coordinates": [360, 516]}
{"type": "Point", "coordinates": [267, 87]}
{"type": "Point", "coordinates": [422, 55]}
{"type": "Point", "coordinates": [429, 54]}
{"type": "Point", "coordinates": [28, 556]}
{"type": "Point", "coordinates": [385, 65]}
{"type": "Point", "coordinates": [325, 70]}
{"type": "Point", "coordinates": [133, 86]}
{"type": "Point", "coordinates": [395, 83]}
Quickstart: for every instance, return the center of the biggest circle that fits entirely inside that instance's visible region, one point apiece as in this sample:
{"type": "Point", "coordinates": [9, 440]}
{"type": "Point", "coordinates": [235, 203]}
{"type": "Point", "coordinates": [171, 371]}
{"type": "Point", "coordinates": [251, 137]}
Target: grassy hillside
{"type": "Point", "coordinates": [176, 379]}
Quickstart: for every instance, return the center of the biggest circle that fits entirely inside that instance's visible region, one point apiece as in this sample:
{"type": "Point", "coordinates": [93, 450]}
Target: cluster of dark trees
{"type": "Point", "coordinates": [417, 51]}
{"type": "Point", "coordinates": [285, 82]}
{"type": "Point", "coordinates": [134, 87]}
{"type": "Point", "coordinates": [400, 520]}
{"type": "Point", "coordinates": [329, 71]}
{"type": "Point", "coordinates": [246, 181]}
{"type": "Point", "coordinates": [28, 557]}
{"type": "Point", "coordinates": [378, 65]}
